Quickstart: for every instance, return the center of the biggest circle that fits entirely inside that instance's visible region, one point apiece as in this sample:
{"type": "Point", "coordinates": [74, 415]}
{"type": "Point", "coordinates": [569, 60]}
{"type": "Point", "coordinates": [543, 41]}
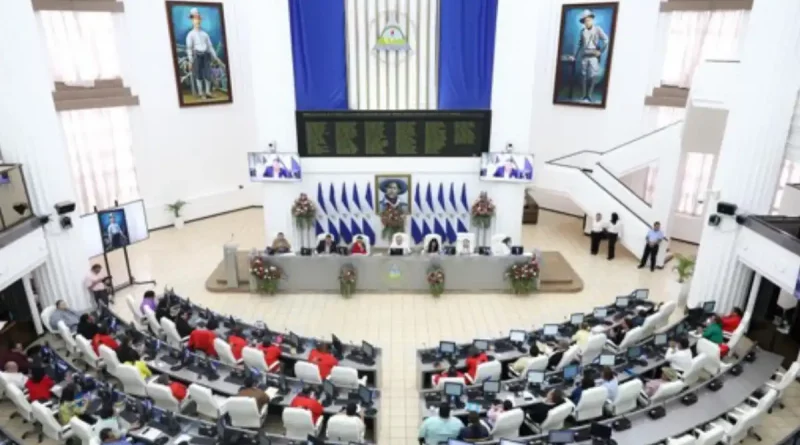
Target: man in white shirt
{"type": "Point", "coordinates": [95, 283]}
{"type": "Point", "coordinates": [200, 52]}
{"type": "Point", "coordinates": [652, 241]}
{"type": "Point", "coordinates": [679, 357]}
{"type": "Point", "coordinates": [598, 230]}
{"type": "Point", "coordinates": [13, 376]}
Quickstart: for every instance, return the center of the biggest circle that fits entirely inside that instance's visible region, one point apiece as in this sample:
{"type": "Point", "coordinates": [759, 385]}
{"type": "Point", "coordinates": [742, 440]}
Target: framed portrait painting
{"type": "Point", "coordinates": [199, 53]}
{"type": "Point", "coordinates": [585, 50]}
{"type": "Point", "coordinates": [393, 191]}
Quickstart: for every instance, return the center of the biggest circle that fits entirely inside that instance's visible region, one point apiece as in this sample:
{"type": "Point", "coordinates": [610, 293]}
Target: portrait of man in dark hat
{"type": "Point", "coordinates": [393, 192]}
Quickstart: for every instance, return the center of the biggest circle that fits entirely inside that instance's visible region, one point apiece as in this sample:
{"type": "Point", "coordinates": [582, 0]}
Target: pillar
{"type": "Point", "coordinates": [31, 295]}
{"type": "Point", "coordinates": [762, 100]}
{"type": "Point", "coordinates": [31, 135]}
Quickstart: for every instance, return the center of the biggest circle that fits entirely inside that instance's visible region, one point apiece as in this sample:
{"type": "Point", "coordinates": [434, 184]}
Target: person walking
{"type": "Point", "coordinates": [598, 230]}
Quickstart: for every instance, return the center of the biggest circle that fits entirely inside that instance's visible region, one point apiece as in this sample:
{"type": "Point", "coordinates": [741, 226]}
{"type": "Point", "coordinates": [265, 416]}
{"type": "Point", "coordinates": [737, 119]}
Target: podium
{"type": "Point", "coordinates": [231, 265]}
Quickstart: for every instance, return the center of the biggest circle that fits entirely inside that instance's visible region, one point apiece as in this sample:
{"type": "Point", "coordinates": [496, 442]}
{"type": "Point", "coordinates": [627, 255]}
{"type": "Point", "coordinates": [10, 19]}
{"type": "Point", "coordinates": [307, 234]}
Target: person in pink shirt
{"type": "Point", "coordinates": [149, 300]}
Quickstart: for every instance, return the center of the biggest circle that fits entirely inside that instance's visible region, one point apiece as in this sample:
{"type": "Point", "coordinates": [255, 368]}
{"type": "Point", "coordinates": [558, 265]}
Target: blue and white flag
{"type": "Point", "coordinates": [321, 199]}
{"type": "Point", "coordinates": [332, 199]}
{"type": "Point", "coordinates": [368, 197]}
{"type": "Point", "coordinates": [345, 203]}
{"type": "Point", "coordinates": [368, 232]}
{"type": "Point", "coordinates": [356, 199]}
{"type": "Point", "coordinates": [344, 230]}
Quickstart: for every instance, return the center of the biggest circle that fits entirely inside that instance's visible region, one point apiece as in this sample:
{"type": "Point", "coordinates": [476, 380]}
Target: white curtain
{"type": "Point", "coordinates": [82, 45]}
{"type": "Point", "coordinates": [697, 177]}
{"type": "Point", "coordinates": [101, 155]}
{"type": "Point", "coordinates": [696, 36]}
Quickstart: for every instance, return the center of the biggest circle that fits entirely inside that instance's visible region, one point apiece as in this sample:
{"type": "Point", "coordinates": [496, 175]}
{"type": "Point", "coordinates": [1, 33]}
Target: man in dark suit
{"type": "Point", "coordinates": [508, 170]}
{"type": "Point", "coordinates": [326, 245]}
{"type": "Point", "coordinates": [276, 170]}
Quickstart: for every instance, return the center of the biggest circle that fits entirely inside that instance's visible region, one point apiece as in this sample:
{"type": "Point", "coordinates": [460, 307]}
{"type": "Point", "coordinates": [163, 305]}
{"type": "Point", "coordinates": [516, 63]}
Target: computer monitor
{"type": "Point", "coordinates": [481, 345]}
{"type": "Point", "coordinates": [511, 442]}
{"type": "Point", "coordinates": [634, 352]}
{"type": "Point", "coordinates": [641, 294]}
{"type": "Point", "coordinates": [576, 318]}
{"type": "Point", "coordinates": [329, 389]}
{"type": "Point", "coordinates": [600, 312]}
{"type": "Point", "coordinates": [535, 377]}
{"type": "Point", "coordinates": [622, 301]}
{"type": "Point", "coordinates": [447, 347]}
{"type": "Point", "coordinates": [550, 330]}
{"type": "Point", "coordinates": [368, 349]}
{"type": "Point", "coordinates": [660, 339]}
{"type": "Point", "coordinates": [607, 360]}
{"type": "Point", "coordinates": [709, 306]}
{"type": "Point", "coordinates": [600, 431]}
{"type": "Point", "coordinates": [558, 437]}
{"type": "Point", "coordinates": [491, 387]}
{"type": "Point", "coordinates": [518, 335]}
{"type": "Point", "coordinates": [457, 442]}
{"type": "Point", "coordinates": [365, 395]}
{"type": "Point", "coordinates": [570, 372]}
{"type": "Point", "coordinates": [453, 389]}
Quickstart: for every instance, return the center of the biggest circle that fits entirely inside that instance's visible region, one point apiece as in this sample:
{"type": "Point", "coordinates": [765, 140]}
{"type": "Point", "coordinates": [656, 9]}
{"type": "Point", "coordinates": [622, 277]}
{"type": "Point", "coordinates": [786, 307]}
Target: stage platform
{"type": "Point", "coordinates": [383, 274]}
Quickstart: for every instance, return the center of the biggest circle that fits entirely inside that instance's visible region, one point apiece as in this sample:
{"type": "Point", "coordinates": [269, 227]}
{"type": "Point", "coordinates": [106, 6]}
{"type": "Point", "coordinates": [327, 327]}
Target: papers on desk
{"type": "Point", "coordinates": [149, 434]}
{"type": "Point", "coordinates": [183, 438]}
{"type": "Point", "coordinates": [271, 392]}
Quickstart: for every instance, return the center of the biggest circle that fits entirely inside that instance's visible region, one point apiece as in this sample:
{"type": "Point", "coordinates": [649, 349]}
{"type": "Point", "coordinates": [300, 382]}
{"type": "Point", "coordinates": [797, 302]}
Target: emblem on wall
{"type": "Point", "coordinates": [392, 38]}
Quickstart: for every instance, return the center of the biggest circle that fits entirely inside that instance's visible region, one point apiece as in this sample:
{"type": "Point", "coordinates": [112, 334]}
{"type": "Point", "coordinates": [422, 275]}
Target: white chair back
{"type": "Point", "coordinates": [650, 324]}
{"type": "Point", "coordinates": [66, 335]}
{"type": "Point", "coordinates": [204, 399]}
{"type": "Point", "coordinates": [45, 315]}
{"type": "Point", "coordinates": [298, 423]}
{"type": "Point", "coordinates": [443, 380]}
{"type": "Point", "coordinates": [82, 430]}
{"type": "Point", "coordinates": [765, 404]}
{"type": "Point", "coordinates": [538, 363]}
{"type": "Point", "coordinates": [152, 321]}
{"type": "Point", "coordinates": [683, 440]}
{"type": "Point", "coordinates": [162, 397]}
{"type": "Point", "coordinates": [50, 426]}
{"type": "Point", "coordinates": [87, 352]}
{"type": "Point", "coordinates": [631, 338]}
{"type": "Point", "coordinates": [737, 335]}
{"type": "Point", "coordinates": [254, 358]}
{"type": "Point", "coordinates": [627, 394]}
{"type": "Point", "coordinates": [590, 406]}
{"type": "Point", "coordinates": [343, 377]}
{"type": "Point", "coordinates": [225, 352]}
{"type": "Point", "coordinates": [711, 436]}
{"type": "Point", "coordinates": [508, 424]}
{"type": "Point", "coordinates": [739, 431]}
{"type": "Point", "coordinates": [428, 239]}
{"type": "Point", "coordinates": [497, 243]}
{"type": "Point", "coordinates": [788, 377]}
{"type": "Point", "coordinates": [110, 359]}
{"type": "Point", "coordinates": [667, 390]}
{"type": "Point", "coordinates": [132, 381]}
{"type": "Point", "coordinates": [345, 429]}
{"type": "Point", "coordinates": [569, 356]}
{"type": "Point", "coordinates": [713, 362]}
{"type": "Point", "coordinates": [20, 402]}
{"type": "Point", "coordinates": [307, 372]}
{"type": "Point", "coordinates": [556, 417]}
{"type": "Point", "coordinates": [243, 412]}
{"type": "Point", "coordinates": [406, 240]}
{"type": "Point", "coordinates": [460, 237]}
{"type": "Point", "coordinates": [593, 348]}
{"type": "Point", "coordinates": [171, 333]}
{"type": "Point", "coordinates": [137, 314]}
{"type": "Point", "coordinates": [488, 371]}
{"type": "Point", "coordinates": [664, 313]}
{"type": "Point", "coordinates": [692, 375]}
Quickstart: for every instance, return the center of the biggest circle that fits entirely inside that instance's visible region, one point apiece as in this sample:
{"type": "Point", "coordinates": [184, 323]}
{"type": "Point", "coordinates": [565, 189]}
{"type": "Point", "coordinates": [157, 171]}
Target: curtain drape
{"type": "Point", "coordinates": [466, 53]}
{"type": "Point", "coordinates": [318, 54]}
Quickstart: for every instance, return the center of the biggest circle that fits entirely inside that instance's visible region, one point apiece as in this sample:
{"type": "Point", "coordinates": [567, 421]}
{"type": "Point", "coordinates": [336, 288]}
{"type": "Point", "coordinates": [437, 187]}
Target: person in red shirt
{"type": "Point", "coordinates": [306, 401]}
{"type": "Point", "coordinates": [324, 360]}
{"type": "Point", "coordinates": [178, 389]}
{"type": "Point", "coordinates": [202, 338]}
{"type": "Point", "coordinates": [450, 372]}
{"type": "Point", "coordinates": [272, 353]}
{"type": "Point", "coordinates": [102, 338]}
{"type": "Point", "coordinates": [731, 321]}
{"type": "Point", "coordinates": [39, 385]}
{"type": "Point", "coordinates": [237, 342]}
{"type": "Point", "coordinates": [359, 248]}
{"type": "Point", "coordinates": [476, 357]}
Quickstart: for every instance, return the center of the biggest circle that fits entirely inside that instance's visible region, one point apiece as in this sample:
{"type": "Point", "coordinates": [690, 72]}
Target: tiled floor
{"type": "Point", "coordinates": [400, 323]}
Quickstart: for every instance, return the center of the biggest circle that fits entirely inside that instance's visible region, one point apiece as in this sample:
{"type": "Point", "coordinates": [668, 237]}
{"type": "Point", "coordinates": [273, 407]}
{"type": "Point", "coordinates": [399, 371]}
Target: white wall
{"type": "Point", "coordinates": [21, 257]}
{"type": "Point", "coordinates": [196, 154]}
{"type": "Point", "coordinates": [767, 258]}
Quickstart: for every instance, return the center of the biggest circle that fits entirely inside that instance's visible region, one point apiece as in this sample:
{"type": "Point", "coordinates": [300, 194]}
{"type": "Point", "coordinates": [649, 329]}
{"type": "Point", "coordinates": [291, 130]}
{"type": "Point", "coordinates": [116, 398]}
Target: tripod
{"type": "Point", "coordinates": [131, 281]}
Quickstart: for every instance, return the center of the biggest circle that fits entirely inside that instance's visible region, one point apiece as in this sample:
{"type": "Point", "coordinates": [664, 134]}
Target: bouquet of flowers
{"type": "Point", "coordinates": [482, 211]}
{"type": "Point", "coordinates": [436, 280]}
{"type": "Point", "coordinates": [393, 220]}
{"type": "Point", "coordinates": [347, 280]}
{"type": "Point", "coordinates": [304, 211]}
{"type": "Point", "coordinates": [524, 277]}
{"type": "Point", "coordinates": [267, 275]}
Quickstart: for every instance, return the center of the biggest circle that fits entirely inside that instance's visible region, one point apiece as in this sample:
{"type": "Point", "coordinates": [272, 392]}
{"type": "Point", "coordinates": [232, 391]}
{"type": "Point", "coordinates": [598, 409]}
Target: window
{"type": "Point", "coordinates": [697, 176]}
{"type": "Point", "coordinates": [790, 174]}
{"type": "Point", "coordinates": [695, 36]}
{"type": "Point", "coordinates": [101, 156]}
{"type": "Point", "coordinates": [82, 45]}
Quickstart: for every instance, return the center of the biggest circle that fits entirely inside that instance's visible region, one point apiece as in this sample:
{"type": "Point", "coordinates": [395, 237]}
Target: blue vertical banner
{"type": "Point", "coordinates": [466, 53]}
{"type": "Point", "coordinates": [319, 54]}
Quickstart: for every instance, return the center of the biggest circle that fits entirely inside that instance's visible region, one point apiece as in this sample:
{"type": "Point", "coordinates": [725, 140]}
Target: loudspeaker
{"type": "Point", "coordinates": [621, 424]}
{"type": "Point", "coordinates": [689, 399]}
{"type": "Point", "coordinates": [449, 250]}
{"type": "Point", "coordinates": [736, 370]}
{"type": "Point", "coordinates": [64, 207]}
{"type": "Point", "coordinates": [740, 219]}
{"type": "Point", "coordinates": [305, 251]}
{"type": "Point", "coordinates": [657, 412]}
{"type": "Point", "coordinates": [715, 385]}
{"type": "Point", "coordinates": [726, 208]}
{"type": "Point", "coordinates": [714, 220]}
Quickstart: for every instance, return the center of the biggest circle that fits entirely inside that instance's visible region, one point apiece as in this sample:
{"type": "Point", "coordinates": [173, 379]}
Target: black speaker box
{"type": "Point", "coordinates": [726, 208]}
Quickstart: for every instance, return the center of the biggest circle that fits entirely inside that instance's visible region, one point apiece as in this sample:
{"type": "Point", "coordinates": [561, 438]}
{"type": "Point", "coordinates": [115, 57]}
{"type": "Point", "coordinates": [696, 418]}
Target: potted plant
{"type": "Point", "coordinates": [523, 277]}
{"type": "Point", "coordinates": [684, 267]}
{"type": "Point", "coordinates": [482, 211]}
{"type": "Point", "coordinates": [393, 220]}
{"type": "Point", "coordinates": [175, 208]}
{"type": "Point", "coordinates": [436, 280]}
{"type": "Point", "coordinates": [347, 280]}
{"type": "Point", "coordinates": [267, 275]}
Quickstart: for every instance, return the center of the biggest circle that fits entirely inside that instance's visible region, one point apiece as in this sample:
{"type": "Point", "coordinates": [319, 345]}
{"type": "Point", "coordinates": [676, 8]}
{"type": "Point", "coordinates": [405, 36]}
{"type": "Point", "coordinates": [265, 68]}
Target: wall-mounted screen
{"type": "Point", "coordinates": [265, 166]}
{"type": "Point", "coordinates": [112, 229]}
{"type": "Point", "coordinates": [507, 167]}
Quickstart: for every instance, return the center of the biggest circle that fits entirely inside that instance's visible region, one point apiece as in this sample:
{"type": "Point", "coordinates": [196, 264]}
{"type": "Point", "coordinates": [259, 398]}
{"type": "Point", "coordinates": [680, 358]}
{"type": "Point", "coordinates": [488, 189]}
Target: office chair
{"type": "Point", "coordinates": [345, 429]}
{"type": "Point", "coordinates": [692, 375]}
{"type": "Point", "coordinates": [82, 431]}
{"type": "Point", "coordinates": [49, 425]}
{"type": "Point", "coordinates": [664, 392]}
{"type": "Point", "coordinates": [590, 406]}
{"type": "Point", "coordinates": [171, 333]}
{"type": "Point", "coordinates": [632, 337]}
{"type": "Point", "coordinates": [307, 372]}
{"type": "Point", "coordinates": [225, 353]}
{"type": "Point", "coordinates": [298, 424]}
{"type": "Point", "coordinates": [733, 339]}
{"type": "Point", "coordinates": [712, 435]}
{"type": "Point", "coordinates": [87, 354]}
{"type": "Point", "coordinates": [683, 440]}
{"type": "Point", "coordinates": [664, 313]}
{"type": "Point", "coordinates": [132, 381]}
{"type": "Point", "coordinates": [254, 358]}
{"type": "Point", "coordinates": [208, 404]}
{"type": "Point", "coordinates": [139, 320]}
{"type": "Point", "coordinates": [593, 348]}
{"type": "Point", "coordinates": [244, 413]}
{"type": "Point", "coordinates": [162, 397]}
{"type": "Point", "coordinates": [66, 335]}
{"type": "Point", "coordinates": [109, 358]}
{"type": "Point", "coordinates": [152, 321]}
{"type": "Point", "coordinates": [627, 394]}
{"type": "Point", "coordinates": [713, 364]}
{"type": "Point", "coordinates": [781, 381]}
{"type": "Point", "coordinates": [650, 324]}
{"type": "Point", "coordinates": [555, 418]}
{"type": "Point", "coordinates": [571, 355]}
{"type": "Point", "coordinates": [343, 377]}
{"type": "Point", "coordinates": [45, 316]}
{"type": "Point", "coordinates": [427, 240]}
{"type": "Point", "coordinates": [486, 371]}
{"type": "Point", "coordinates": [22, 406]}
{"type": "Point", "coordinates": [508, 424]}
{"type": "Point", "coordinates": [538, 363]}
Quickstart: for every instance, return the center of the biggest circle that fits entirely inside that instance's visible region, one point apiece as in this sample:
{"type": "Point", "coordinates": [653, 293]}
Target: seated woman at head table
{"type": "Point", "coordinates": [433, 247]}
{"type": "Point", "coordinates": [359, 246]}
{"type": "Point", "coordinates": [398, 242]}
{"type": "Point", "coordinates": [465, 248]}
{"type": "Point", "coordinates": [280, 244]}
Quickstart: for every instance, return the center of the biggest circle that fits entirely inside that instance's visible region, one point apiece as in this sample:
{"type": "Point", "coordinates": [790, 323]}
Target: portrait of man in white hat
{"type": "Point", "coordinates": [200, 51]}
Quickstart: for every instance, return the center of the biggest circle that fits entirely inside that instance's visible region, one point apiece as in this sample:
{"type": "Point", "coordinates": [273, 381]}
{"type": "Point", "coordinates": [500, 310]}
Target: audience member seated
{"type": "Point", "coordinates": [558, 354]}
{"type": "Point", "coordinates": [451, 372]}
{"type": "Point", "coordinates": [237, 342]}
{"type": "Point", "coordinates": [326, 245]}
{"type": "Point", "coordinates": [128, 355]}
{"type": "Point", "coordinates": [249, 389]}
{"type": "Point", "coordinates": [351, 411]}
{"type": "Point", "coordinates": [522, 363]}
{"type": "Point", "coordinates": [39, 385]}
{"type": "Point", "coordinates": [465, 248]}
{"type": "Point", "coordinates": [731, 321]}
{"type": "Point", "coordinates": [439, 429]}
{"type": "Point", "coordinates": [359, 246]}
{"type": "Point", "coordinates": [69, 406]}
{"type": "Point", "coordinates": [679, 357]}
{"type": "Point", "coordinates": [324, 360]}
{"type": "Point", "coordinates": [272, 353]}
{"type": "Point", "coordinates": [538, 411]}
{"type": "Point", "coordinates": [638, 319]}
{"type": "Point", "coordinates": [13, 375]}
{"type": "Point", "coordinates": [581, 336]}
{"type": "Point", "coordinates": [148, 300]}
{"type": "Point", "coordinates": [87, 327]}
{"type": "Point", "coordinates": [162, 309]}
{"type": "Point", "coordinates": [653, 384]}
{"type": "Point", "coordinates": [65, 314]}
{"type": "Point", "coordinates": [107, 437]}
{"type": "Point", "coordinates": [280, 244]}
{"type": "Point", "coordinates": [202, 338]}
{"type": "Point", "coordinates": [475, 358]}
{"type": "Point", "coordinates": [610, 382]}
{"type": "Point", "coordinates": [586, 383]}
{"type": "Point", "coordinates": [107, 420]}
{"type": "Point", "coordinates": [178, 389]}
{"type": "Point", "coordinates": [182, 324]}
{"type": "Point", "coordinates": [504, 246]}
{"type": "Point", "coordinates": [398, 243]}
{"type": "Point", "coordinates": [305, 400]}
{"type": "Point", "coordinates": [497, 409]}
{"type": "Point", "coordinates": [713, 330]}
{"type": "Point", "coordinates": [618, 332]}
{"type": "Point", "coordinates": [474, 430]}
{"type": "Point", "coordinates": [433, 247]}
{"type": "Point", "coordinates": [16, 354]}
{"type": "Point", "coordinates": [103, 338]}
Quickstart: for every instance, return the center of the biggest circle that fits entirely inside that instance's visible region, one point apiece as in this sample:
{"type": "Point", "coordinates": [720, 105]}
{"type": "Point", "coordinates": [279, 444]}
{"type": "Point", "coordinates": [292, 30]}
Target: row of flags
{"type": "Point", "coordinates": [344, 212]}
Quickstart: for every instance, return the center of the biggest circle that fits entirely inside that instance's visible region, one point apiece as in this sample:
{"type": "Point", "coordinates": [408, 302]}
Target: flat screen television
{"type": "Point", "coordinates": [510, 167]}
{"type": "Point", "coordinates": [111, 229]}
{"type": "Point", "coordinates": [278, 167]}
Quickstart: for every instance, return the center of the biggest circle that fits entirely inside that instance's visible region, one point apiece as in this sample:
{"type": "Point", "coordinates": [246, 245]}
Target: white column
{"type": "Point", "coordinates": [37, 321]}
{"type": "Point", "coordinates": [31, 134]}
{"type": "Point", "coordinates": [753, 146]}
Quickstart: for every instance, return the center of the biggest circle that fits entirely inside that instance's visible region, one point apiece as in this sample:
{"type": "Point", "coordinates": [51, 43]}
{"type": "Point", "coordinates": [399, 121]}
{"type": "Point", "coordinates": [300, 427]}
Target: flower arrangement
{"type": "Point", "coordinates": [482, 211]}
{"type": "Point", "coordinates": [524, 277]}
{"type": "Point", "coordinates": [347, 280]}
{"type": "Point", "coordinates": [304, 211]}
{"type": "Point", "coordinates": [268, 275]}
{"type": "Point", "coordinates": [393, 220]}
{"type": "Point", "coordinates": [436, 280]}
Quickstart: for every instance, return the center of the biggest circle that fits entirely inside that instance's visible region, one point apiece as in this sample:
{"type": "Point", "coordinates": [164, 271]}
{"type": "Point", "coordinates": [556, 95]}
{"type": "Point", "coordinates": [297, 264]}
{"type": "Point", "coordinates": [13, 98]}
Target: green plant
{"type": "Point", "coordinates": [347, 280]}
{"type": "Point", "coordinates": [684, 266]}
{"type": "Point", "coordinates": [176, 207]}
{"type": "Point", "coordinates": [523, 276]}
{"type": "Point", "coordinates": [436, 280]}
{"type": "Point", "coordinates": [267, 275]}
